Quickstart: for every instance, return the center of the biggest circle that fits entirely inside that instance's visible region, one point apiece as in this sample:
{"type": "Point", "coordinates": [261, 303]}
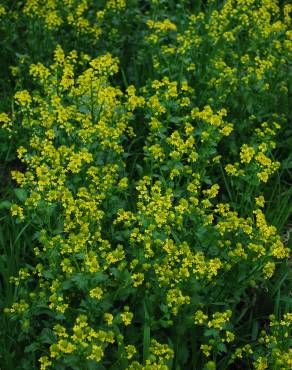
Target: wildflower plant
{"type": "Point", "coordinates": [151, 245]}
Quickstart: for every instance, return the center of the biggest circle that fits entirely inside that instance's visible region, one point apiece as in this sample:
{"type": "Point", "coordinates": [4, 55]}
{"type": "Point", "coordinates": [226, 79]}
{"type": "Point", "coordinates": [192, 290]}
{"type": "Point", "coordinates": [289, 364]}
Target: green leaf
{"type": "Point", "coordinates": [254, 330]}
{"type": "Point", "coordinates": [32, 347]}
{"type": "Point", "coordinates": [146, 334]}
{"type": "Point", "coordinates": [47, 336]}
{"type": "Point", "coordinates": [211, 333]}
{"type": "Point", "coordinates": [287, 164]}
{"type": "Point", "coordinates": [222, 347]}
{"type": "Point", "coordinates": [80, 280]}
{"type": "Point", "coordinates": [21, 194]}
{"type": "Point", "coordinates": [5, 204]}
{"type": "Point", "coordinates": [183, 351]}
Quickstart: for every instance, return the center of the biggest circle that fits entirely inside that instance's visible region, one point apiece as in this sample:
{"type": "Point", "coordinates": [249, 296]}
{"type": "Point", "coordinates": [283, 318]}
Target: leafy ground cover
{"type": "Point", "coordinates": [146, 179]}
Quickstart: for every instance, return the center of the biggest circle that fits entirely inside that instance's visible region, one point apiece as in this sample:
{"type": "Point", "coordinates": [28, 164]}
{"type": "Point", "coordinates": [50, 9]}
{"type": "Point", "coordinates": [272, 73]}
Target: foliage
{"type": "Point", "coordinates": [149, 199]}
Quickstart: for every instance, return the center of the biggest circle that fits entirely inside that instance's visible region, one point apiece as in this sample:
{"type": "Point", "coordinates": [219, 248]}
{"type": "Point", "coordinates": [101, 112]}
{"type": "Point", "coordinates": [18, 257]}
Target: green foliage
{"type": "Point", "coordinates": [146, 185]}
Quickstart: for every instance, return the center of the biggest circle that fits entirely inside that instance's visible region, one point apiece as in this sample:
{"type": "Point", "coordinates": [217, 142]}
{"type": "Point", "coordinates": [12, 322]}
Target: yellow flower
{"type": "Point", "coordinates": [260, 201]}
{"type": "Point", "coordinates": [231, 169]}
{"type": "Point", "coordinates": [161, 27]}
{"type": "Point", "coordinates": [105, 64]}
{"type": "Point", "coordinates": [123, 183]}
{"type": "Point", "coordinates": [45, 362]}
{"type": "Point", "coordinates": [246, 153]}
{"type": "Point", "coordinates": [137, 279]}
{"type": "Point", "coordinates": [96, 353]}
{"type": "Point", "coordinates": [268, 269]}
{"type": "Point", "coordinates": [206, 349]}
{"type": "Point", "coordinates": [17, 211]}
{"type": "Point", "coordinates": [23, 98]}
{"type": "Point", "coordinates": [108, 318]}
{"type": "Point", "coordinates": [229, 337]}
{"type": "Point", "coordinates": [2, 10]}
{"type": "Point", "coordinates": [261, 363]}
{"type": "Point", "coordinates": [161, 350]}
{"type": "Point", "coordinates": [219, 319]}
{"type": "Point", "coordinates": [131, 350]}
{"type": "Point", "coordinates": [200, 318]}
{"type": "Point", "coordinates": [96, 293]}
{"type": "Point", "coordinates": [127, 316]}
{"type": "Point", "coordinates": [5, 121]}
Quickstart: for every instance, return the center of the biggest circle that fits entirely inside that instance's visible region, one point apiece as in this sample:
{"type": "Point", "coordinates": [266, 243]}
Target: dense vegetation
{"type": "Point", "coordinates": [146, 174]}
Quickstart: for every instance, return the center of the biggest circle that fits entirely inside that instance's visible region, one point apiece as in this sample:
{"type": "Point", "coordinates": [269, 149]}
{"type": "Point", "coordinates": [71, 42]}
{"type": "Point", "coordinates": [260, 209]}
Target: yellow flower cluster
{"type": "Point", "coordinates": [272, 341]}
{"type": "Point", "coordinates": [51, 12]}
{"type": "Point", "coordinates": [83, 337]}
{"type": "Point", "coordinates": [138, 230]}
